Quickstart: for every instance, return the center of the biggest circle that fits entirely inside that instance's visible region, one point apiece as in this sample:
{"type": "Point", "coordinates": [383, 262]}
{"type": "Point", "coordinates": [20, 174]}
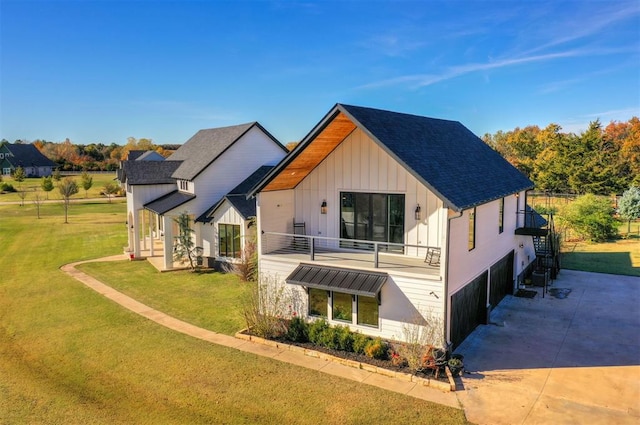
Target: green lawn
{"type": "Point", "coordinates": [208, 300]}
{"type": "Point", "coordinates": [33, 185]}
{"type": "Point", "coordinates": [70, 356]}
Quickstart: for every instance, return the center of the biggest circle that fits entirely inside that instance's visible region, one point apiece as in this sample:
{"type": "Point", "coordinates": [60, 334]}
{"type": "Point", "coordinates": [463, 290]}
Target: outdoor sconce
{"type": "Point", "coordinates": [418, 213]}
{"type": "Point", "coordinates": [521, 245]}
{"type": "Point", "coordinates": [323, 207]}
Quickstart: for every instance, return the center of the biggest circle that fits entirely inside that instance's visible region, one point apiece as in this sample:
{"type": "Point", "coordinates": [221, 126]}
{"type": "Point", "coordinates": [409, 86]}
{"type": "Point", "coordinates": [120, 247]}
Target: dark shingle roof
{"type": "Point", "coordinates": [207, 145]}
{"type": "Point", "coordinates": [168, 202]}
{"type": "Point", "coordinates": [27, 155]}
{"type": "Point", "coordinates": [149, 172]}
{"type": "Point", "coordinates": [238, 197]}
{"type": "Point", "coordinates": [150, 156]}
{"type": "Point", "coordinates": [446, 156]}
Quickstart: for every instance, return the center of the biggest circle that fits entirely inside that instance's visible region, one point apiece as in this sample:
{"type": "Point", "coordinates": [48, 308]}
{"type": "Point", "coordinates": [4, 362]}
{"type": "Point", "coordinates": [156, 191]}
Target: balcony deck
{"type": "Point", "coordinates": [296, 248]}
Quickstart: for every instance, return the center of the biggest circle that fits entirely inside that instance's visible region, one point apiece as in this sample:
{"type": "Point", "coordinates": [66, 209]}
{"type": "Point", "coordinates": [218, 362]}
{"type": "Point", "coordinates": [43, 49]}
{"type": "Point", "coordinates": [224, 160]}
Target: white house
{"type": "Point", "coordinates": [380, 219]}
{"type": "Point", "coordinates": [195, 177]}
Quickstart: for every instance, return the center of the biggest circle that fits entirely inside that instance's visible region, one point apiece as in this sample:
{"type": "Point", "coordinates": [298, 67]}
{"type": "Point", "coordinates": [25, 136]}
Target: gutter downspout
{"type": "Point", "coordinates": [446, 278]}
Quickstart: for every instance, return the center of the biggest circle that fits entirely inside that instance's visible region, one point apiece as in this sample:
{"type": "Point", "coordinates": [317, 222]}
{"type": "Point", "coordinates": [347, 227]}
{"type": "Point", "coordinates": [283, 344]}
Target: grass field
{"type": "Point", "coordinates": [70, 356]}
{"type": "Point", "coordinates": [32, 186]}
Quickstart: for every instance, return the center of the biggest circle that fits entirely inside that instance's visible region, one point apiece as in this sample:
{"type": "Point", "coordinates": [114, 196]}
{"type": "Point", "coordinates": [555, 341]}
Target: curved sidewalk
{"type": "Point", "coordinates": [412, 389]}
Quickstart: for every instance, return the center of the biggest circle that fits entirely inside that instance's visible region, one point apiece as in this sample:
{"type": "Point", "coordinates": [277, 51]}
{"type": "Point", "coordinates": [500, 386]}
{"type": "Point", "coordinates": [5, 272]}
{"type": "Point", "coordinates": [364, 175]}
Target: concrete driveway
{"type": "Point", "coordinates": [569, 359]}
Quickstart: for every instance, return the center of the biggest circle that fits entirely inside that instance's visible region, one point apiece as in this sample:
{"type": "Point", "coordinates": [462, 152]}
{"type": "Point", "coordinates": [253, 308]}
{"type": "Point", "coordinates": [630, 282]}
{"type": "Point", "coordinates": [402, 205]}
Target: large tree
{"type": "Point", "coordinates": [629, 206]}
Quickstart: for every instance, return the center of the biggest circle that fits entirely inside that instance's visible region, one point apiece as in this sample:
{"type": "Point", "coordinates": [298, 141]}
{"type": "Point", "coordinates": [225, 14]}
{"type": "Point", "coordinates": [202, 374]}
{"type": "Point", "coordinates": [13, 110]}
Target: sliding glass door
{"type": "Point", "coordinates": [375, 217]}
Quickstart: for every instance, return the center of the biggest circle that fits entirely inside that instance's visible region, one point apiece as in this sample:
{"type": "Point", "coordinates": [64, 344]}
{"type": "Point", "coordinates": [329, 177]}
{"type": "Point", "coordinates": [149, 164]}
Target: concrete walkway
{"type": "Point", "coordinates": [573, 358]}
{"type": "Point", "coordinates": [412, 389]}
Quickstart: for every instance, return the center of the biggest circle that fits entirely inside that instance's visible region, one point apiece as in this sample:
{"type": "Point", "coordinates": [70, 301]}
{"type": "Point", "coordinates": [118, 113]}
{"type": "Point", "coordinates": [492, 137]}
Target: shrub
{"type": "Point", "coordinates": [329, 338]}
{"type": "Point", "coordinates": [316, 328]}
{"type": "Point", "coordinates": [591, 218]}
{"type": "Point", "coordinates": [344, 338]}
{"type": "Point", "coordinates": [360, 342]}
{"type": "Point", "coordinates": [298, 330]}
{"type": "Point", "coordinates": [7, 187]}
{"type": "Point", "coordinates": [377, 349]}
{"type": "Point", "coordinates": [264, 309]}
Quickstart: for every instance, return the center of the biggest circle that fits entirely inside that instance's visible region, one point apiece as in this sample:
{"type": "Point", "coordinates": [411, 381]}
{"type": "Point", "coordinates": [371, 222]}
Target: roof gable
{"type": "Point", "coordinates": [207, 145]}
{"type": "Point", "coordinates": [444, 155]}
{"type": "Point", "coordinates": [149, 172]}
{"type": "Point", "coordinates": [237, 197]}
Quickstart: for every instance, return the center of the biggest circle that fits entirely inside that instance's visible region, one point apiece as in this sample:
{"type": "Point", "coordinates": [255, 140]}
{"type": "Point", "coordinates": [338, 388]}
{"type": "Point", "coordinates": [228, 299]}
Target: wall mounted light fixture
{"type": "Point", "coordinates": [418, 213]}
{"type": "Point", "coordinates": [323, 207]}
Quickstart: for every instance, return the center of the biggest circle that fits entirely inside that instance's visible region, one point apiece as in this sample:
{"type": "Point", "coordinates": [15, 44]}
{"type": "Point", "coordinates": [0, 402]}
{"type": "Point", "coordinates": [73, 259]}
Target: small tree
{"type": "Point", "coordinates": [629, 205]}
{"type": "Point", "coordinates": [247, 268]}
{"type": "Point", "coordinates": [47, 185]}
{"type": "Point", "coordinates": [110, 189]}
{"type": "Point", "coordinates": [56, 175]}
{"type": "Point", "coordinates": [184, 247]}
{"type": "Point", "coordinates": [67, 187]}
{"type": "Point", "coordinates": [22, 193]}
{"type": "Point", "coordinates": [590, 217]}
{"type": "Point", "coordinates": [37, 201]}
{"type": "Point", "coordinates": [87, 182]}
{"type": "Point", "coordinates": [19, 174]}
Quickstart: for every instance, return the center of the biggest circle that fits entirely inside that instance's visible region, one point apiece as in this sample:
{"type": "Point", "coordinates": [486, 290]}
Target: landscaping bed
{"type": "Point", "coordinates": [388, 365]}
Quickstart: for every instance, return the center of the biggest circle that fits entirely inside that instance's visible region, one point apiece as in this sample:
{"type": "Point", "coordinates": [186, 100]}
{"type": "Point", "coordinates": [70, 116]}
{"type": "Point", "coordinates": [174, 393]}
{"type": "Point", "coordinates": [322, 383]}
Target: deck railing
{"type": "Point", "coordinates": [321, 248]}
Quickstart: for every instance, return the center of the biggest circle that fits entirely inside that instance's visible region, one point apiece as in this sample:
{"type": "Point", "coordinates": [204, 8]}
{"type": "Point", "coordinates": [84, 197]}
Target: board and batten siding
{"type": "Point", "coordinates": [490, 247]}
{"type": "Point", "coordinates": [405, 300]}
{"type": "Point", "coordinates": [225, 214]}
{"type": "Point", "coordinates": [358, 164]}
{"type": "Point", "coordinates": [253, 150]}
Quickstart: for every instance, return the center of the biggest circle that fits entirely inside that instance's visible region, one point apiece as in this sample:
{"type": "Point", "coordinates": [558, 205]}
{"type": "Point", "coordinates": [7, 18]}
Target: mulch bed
{"type": "Point", "coordinates": [385, 364]}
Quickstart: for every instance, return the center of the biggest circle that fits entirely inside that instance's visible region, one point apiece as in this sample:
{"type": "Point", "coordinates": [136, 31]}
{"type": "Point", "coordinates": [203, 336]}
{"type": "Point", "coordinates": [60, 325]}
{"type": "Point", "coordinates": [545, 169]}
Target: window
{"type": "Point", "coordinates": [318, 302]}
{"type": "Point", "coordinates": [342, 307]}
{"type": "Point", "coordinates": [184, 185]}
{"type": "Point", "coordinates": [367, 311]}
{"type": "Point", "coordinates": [501, 217]}
{"type": "Point", "coordinates": [1, 155]}
{"type": "Point", "coordinates": [229, 240]}
{"type": "Point", "coordinates": [472, 229]}
{"type": "Point", "coordinates": [372, 217]}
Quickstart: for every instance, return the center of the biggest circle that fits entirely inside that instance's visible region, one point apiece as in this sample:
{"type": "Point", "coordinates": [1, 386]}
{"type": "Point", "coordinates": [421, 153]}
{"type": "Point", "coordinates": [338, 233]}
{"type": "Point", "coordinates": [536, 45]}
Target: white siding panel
{"type": "Point", "coordinates": [404, 299]}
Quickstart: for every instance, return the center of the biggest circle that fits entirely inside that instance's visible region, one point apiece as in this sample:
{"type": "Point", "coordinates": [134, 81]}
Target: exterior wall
{"type": "Point", "coordinates": [225, 214]}
{"type": "Point", "coordinates": [359, 164]}
{"type": "Point", "coordinates": [137, 197]}
{"type": "Point", "coordinates": [275, 213]}
{"type": "Point", "coordinates": [246, 155]}
{"type": "Point", "coordinates": [404, 299]}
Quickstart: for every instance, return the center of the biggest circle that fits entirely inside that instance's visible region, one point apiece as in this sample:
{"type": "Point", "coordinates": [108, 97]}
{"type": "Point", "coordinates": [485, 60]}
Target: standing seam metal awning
{"type": "Point", "coordinates": [338, 279]}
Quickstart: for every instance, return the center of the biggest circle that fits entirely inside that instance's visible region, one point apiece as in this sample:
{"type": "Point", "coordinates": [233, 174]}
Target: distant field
{"type": "Point", "coordinates": [33, 186]}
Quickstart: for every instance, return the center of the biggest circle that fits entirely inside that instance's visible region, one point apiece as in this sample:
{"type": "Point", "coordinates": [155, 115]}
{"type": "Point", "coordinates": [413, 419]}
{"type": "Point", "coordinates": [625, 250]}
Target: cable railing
{"type": "Point", "coordinates": [353, 252]}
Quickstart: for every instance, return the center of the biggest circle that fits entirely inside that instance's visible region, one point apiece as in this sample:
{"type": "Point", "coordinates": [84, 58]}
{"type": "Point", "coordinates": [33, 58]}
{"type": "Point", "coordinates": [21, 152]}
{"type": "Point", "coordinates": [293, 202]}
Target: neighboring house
{"type": "Point", "coordinates": [193, 179]}
{"type": "Point", "coordinates": [27, 156]}
{"type": "Point", "coordinates": [382, 220]}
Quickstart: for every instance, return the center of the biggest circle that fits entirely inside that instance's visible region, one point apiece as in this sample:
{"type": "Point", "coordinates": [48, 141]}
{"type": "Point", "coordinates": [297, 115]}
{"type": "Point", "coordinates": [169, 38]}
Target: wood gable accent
{"type": "Point", "coordinates": [313, 153]}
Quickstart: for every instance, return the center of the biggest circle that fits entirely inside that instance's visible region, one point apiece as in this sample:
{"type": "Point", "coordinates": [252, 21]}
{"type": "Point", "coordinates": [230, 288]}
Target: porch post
{"type": "Point", "coordinates": [151, 235]}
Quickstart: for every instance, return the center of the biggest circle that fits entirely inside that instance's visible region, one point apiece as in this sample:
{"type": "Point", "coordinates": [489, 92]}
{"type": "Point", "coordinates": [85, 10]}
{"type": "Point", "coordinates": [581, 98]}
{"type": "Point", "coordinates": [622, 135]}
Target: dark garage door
{"type": "Point", "coordinates": [501, 283]}
{"type": "Point", "coordinates": [468, 309]}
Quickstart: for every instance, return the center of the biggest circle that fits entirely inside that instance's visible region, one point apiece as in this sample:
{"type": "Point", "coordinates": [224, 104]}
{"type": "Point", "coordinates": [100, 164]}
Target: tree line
{"type": "Point", "coordinates": [94, 156]}
{"type": "Point", "coordinates": [601, 160]}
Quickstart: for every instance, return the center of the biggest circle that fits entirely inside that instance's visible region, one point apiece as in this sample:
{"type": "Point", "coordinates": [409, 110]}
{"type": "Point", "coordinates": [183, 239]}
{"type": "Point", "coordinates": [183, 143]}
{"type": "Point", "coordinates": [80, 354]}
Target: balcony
{"type": "Point", "coordinates": [351, 253]}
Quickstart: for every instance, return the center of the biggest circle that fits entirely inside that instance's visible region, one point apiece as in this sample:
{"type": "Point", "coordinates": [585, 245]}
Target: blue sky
{"type": "Point", "coordinates": [101, 71]}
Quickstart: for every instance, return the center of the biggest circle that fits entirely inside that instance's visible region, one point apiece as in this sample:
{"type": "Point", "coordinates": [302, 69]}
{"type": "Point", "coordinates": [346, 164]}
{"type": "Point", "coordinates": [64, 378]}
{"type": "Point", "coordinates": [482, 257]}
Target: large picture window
{"type": "Point", "coordinates": [229, 240]}
{"type": "Point", "coordinates": [367, 311]}
{"type": "Point", "coordinates": [317, 302]}
{"type": "Point", "coordinates": [342, 307]}
{"type": "Point", "coordinates": [372, 217]}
